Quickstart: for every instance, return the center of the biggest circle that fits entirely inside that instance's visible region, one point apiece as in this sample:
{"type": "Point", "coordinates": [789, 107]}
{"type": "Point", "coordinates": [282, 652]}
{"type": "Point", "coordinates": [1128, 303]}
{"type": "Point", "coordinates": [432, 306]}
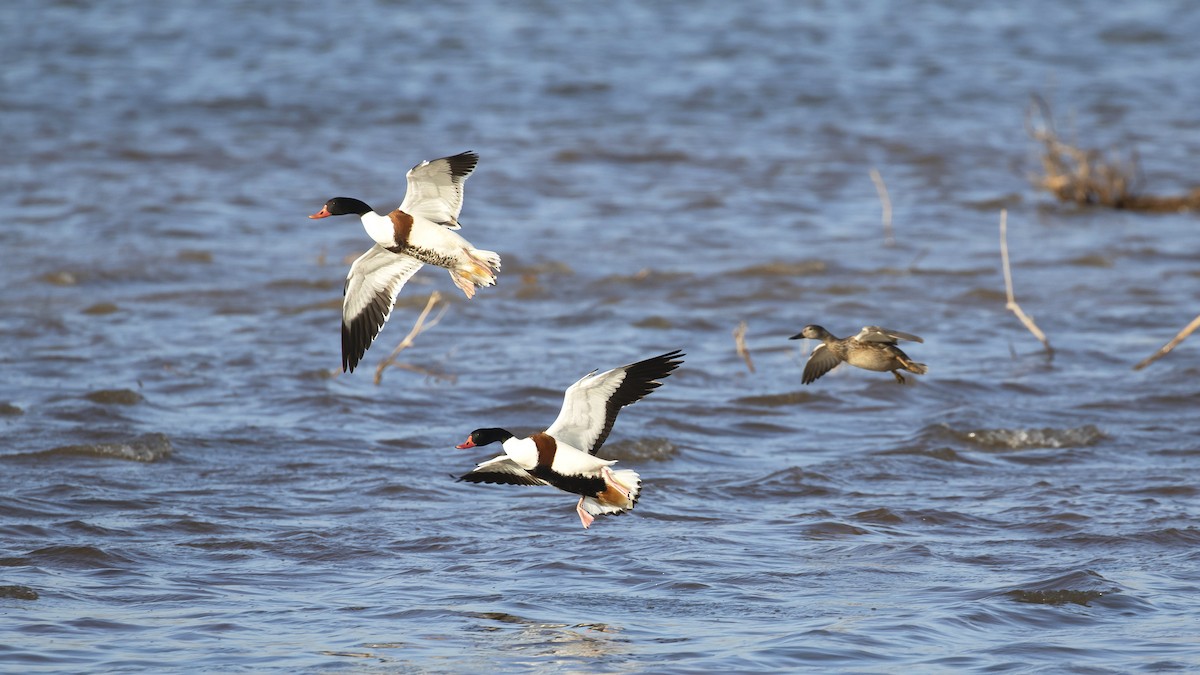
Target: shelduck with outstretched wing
{"type": "Point", "coordinates": [564, 454]}
{"type": "Point", "coordinates": [419, 232]}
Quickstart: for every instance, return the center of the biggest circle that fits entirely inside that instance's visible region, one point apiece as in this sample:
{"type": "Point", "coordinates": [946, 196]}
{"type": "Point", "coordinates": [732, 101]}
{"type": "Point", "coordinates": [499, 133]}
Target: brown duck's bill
{"type": "Point", "coordinates": [323, 213]}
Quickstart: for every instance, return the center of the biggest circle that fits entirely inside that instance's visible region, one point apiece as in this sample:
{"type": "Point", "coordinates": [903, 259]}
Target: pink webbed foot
{"type": "Point", "coordinates": [584, 517]}
{"type": "Point", "coordinates": [464, 284]}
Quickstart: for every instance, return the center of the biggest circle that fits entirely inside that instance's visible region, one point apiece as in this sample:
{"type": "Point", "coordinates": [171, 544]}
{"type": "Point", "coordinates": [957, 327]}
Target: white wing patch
{"type": "Point", "coordinates": [375, 275]}
{"type": "Point", "coordinates": [886, 335]}
{"type": "Point", "coordinates": [435, 188]}
{"type": "Point", "coordinates": [585, 409]}
{"type": "Point", "coordinates": [374, 281]}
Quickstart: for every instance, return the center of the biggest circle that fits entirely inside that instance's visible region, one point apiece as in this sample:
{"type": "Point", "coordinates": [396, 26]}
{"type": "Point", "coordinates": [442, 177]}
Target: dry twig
{"type": "Point", "coordinates": [739, 343]}
{"type": "Point", "coordinates": [888, 237]}
{"type": "Point", "coordinates": [1008, 287]}
{"type": "Point", "coordinates": [418, 327]}
{"type": "Point", "coordinates": [1162, 351]}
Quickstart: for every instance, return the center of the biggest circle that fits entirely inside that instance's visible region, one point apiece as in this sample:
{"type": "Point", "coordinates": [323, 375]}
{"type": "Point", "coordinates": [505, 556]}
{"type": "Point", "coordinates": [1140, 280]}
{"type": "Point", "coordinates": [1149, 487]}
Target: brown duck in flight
{"type": "Point", "coordinates": [874, 348]}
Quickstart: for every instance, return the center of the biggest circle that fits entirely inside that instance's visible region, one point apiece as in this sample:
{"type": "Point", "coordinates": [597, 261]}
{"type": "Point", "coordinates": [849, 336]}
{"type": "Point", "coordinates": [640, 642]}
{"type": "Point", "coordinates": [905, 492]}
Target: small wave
{"type": "Point", "coordinates": [830, 529]}
{"type": "Point", "coordinates": [148, 448]}
{"type": "Point", "coordinates": [77, 557]}
{"type": "Point", "coordinates": [8, 409]}
{"type": "Point", "coordinates": [1018, 439]}
{"type": "Point", "coordinates": [1080, 587]}
{"type": "Point", "coordinates": [791, 482]}
{"type": "Point", "coordinates": [940, 453]}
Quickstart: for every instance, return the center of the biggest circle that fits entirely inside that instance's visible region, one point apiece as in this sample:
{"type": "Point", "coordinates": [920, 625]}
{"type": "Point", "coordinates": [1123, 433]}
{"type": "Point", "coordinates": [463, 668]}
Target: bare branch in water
{"type": "Point", "coordinates": [1165, 349]}
{"type": "Point", "coordinates": [739, 343]}
{"type": "Point", "coordinates": [418, 327]}
{"type": "Point", "coordinates": [889, 238]}
{"type": "Point", "coordinates": [1008, 288]}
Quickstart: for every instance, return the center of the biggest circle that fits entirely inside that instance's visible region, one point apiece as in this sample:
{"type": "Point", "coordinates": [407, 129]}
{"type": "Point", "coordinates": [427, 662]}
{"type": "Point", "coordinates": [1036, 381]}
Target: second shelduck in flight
{"type": "Point", "coordinates": [564, 455]}
{"type": "Point", "coordinates": [419, 232]}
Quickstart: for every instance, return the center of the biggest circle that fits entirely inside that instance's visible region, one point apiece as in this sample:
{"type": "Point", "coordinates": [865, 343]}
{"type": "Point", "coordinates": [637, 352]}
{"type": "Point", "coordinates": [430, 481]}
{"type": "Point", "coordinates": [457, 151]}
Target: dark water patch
{"type": "Point", "coordinates": [882, 516]}
{"type": "Point", "coordinates": [784, 268]}
{"type": "Point", "coordinates": [573, 89]}
{"type": "Point", "coordinates": [185, 526]}
{"type": "Point", "coordinates": [230, 545]}
{"type": "Point", "coordinates": [618, 157]}
{"type": "Point", "coordinates": [831, 530]}
{"type": "Point", "coordinates": [942, 454]}
{"type": "Point", "coordinates": [1134, 34]}
{"type": "Point", "coordinates": [92, 530]}
{"type": "Point", "coordinates": [781, 400]}
{"type": "Point", "coordinates": [1055, 597]}
{"type": "Point", "coordinates": [16, 592]}
{"type": "Point", "coordinates": [1091, 260]}
{"type": "Point", "coordinates": [982, 295]}
{"type": "Point", "coordinates": [321, 285]}
{"type": "Point", "coordinates": [654, 322]}
{"type": "Point", "coordinates": [760, 428]}
{"type": "Point", "coordinates": [114, 397]}
{"type": "Point", "coordinates": [148, 448]}
{"type": "Point", "coordinates": [194, 256]}
{"type": "Point", "coordinates": [102, 309]}
{"type": "Point", "coordinates": [1082, 587]}
{"type": "Point", "coordinates": [10, 410]}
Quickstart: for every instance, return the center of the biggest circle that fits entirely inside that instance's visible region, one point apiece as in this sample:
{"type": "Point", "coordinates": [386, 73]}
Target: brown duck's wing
{"type": "Point", "coordinates": [886, 335]}
{"type": "Point", "coordinates": [820, 362]}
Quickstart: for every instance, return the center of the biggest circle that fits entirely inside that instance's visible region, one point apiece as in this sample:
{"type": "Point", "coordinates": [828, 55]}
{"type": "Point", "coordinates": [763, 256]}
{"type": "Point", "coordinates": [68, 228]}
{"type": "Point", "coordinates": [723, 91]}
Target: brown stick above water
{"type": "Point", "coordinates": [418, 327]}
{"type": "Point", "coordinates": [1008, 288]}
{"type": "Point", "coordinates": [1165, 349]}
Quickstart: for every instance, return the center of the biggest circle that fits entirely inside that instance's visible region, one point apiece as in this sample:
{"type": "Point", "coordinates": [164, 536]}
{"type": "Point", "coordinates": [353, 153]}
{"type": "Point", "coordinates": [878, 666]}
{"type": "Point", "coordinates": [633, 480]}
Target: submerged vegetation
{"type": "Point", "coordinates": [1090, 177]}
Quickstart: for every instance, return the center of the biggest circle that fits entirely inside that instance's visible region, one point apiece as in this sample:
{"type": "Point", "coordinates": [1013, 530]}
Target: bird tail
{"type": "Point", "coordinates": [478, 269]}
{"type": "Point", "coordinates": [914, 367]}
{"type": "Point", "coordinates": [624, 488]}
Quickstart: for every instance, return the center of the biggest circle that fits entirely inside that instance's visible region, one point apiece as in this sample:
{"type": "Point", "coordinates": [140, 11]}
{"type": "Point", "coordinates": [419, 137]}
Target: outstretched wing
{"type": "Point", "coordinates": [435, 188]}
{"type": "Point", "coordinates": [821, 361]}
{"type": "Point", "coordinates": [590, 406]}
{"type": "Point", "coordinates": [887, 335]}
{"type": "Point", "coordinates": [501, 470]}
{"type": "Point", "coordinates": [374, 281]}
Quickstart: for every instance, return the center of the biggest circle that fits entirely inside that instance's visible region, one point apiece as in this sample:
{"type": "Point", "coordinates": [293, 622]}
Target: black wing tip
{"type": "Point", "coordinates": [663, 364]}
{"type": "Point", "coordinates": [462, 164]}
{"type": "Point", "coordinates": [356, 339]}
